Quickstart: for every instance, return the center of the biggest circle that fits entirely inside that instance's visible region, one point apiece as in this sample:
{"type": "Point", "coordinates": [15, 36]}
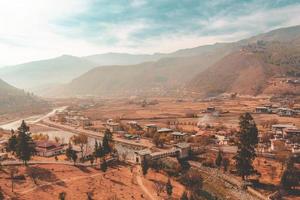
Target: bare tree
{"type": "Point", "coordinates": [159, 187]}
{"type": "Point", "coordinates": [13, 170]}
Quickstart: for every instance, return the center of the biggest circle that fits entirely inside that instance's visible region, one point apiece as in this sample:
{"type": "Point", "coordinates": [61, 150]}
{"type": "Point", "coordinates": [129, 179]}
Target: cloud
{"type": "Point", "coordinates": [35, 29]}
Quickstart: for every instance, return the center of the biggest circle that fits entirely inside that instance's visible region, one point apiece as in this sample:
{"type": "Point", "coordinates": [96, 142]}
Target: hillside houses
{"type": "Point", "coordinates": [285, 137]}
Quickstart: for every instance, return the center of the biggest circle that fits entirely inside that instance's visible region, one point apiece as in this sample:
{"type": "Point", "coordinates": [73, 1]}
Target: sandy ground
{"type": "Point", "coordinates": [117, 183]}
{"type": "Point", "coordinates": [75, 181]}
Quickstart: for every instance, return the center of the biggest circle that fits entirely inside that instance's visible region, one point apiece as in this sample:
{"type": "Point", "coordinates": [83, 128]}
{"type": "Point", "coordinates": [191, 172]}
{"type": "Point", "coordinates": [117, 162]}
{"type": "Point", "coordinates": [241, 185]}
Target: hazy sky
{"type": "Point", "coordinates": [38, 29]}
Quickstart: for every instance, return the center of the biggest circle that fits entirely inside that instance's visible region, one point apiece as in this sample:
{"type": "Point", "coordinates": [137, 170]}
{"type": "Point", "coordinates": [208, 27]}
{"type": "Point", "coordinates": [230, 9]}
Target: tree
{"type": "Point", "coordinates": [107, 142]}
{"type": "Point", "coordinates": [290, 177]}
{"type": "Point", "coordinates": [98, 151]}
{"type": "Point", "coordinates": [25, 146]}
{"type": "Point", "coordinates": [225, 163]}
{"type": "Point", "coordinates": [159, 187]}
{"type": "Point", "coordinates": [69, 151]}
{"type": "Point", "coordinates": [1, 194]}
{"type": "Point", "coordinates": [82, 141]}
{"type": "Point", "coordinates": [184, 196]}
{"type": "Point", "coordinates": [12, 143]}
{"type": "Point", "coordinates": [169, 188]}
{"type": "Point", "coordinates": [62, 196]}
{"type": "Point", "coordinates": [74, 156]}
{"type": "Point", "coordinates": [103, 165]}
{"type": "Point", "coordinates": [219, 158]}
{"type": "Point", "coordinates": [192, 180]}
{"type": "Point", "coordinates": [145, 166]}
{"type": "Point", "coordinates": [247, 141]}
{"type": "Point", "coordinates": [13, 170]}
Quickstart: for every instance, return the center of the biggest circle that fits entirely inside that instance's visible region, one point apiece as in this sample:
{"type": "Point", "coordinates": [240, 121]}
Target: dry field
{"type": "Point", "coordinates": [76, 182]}
{"type": "Point", "coordinates": [171, 110]}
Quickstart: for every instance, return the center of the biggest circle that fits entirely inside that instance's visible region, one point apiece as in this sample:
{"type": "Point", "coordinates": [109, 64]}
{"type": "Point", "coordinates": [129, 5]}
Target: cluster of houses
{"type": "Point", "coordinates": [285, 137]}
{"type": "Point", "coordinates": [281, 111]}
{"type": "Point", "coordinates": [138, 130]}
{"type": "Point", "coordinates": [72, 118]}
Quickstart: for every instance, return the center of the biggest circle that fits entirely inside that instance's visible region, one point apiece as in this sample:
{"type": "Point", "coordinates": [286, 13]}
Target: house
{"type": "Point", "coordinates": [263, 109]}
{"type": "Point", "coordinates": [286, 112]}
{"type": "Point", "coordinates": [296, 149]}
{"type": "Point", "coordinates": [150, 128]}
{"type": "Point", "coordinates": [133, 125]}
{"type": "Point", "coordinates": [165, 130]}
{"type": "Point", "coordinates": [114, 127]}
{"type": "Point", "coordinates": [141, 155]}
{"type": "Point", "coordinates": [291, 132]}
{"type": "Point", "coordinates": [278, 144]}
{"type": "Point", "coordinates": [278, 128]}
{"type": "Point", "coordinates": [178, 136]}
{"type": "Point", "coordinates": [222, 139]}
{"type": "Point", "coordinates": [48, 148]}
{"type": "Point", "coordinates": [184, 149]}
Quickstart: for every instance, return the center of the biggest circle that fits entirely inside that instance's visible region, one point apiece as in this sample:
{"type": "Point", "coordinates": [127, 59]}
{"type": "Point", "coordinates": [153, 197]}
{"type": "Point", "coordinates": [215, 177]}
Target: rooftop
{"type": "Point", "coordinates": [164, 130]}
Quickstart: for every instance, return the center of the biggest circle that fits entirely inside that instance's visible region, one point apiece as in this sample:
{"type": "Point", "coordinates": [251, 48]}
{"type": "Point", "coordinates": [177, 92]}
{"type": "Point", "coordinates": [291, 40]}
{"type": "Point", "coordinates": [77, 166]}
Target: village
{"type": "Point", "coordinates": [195, 130]}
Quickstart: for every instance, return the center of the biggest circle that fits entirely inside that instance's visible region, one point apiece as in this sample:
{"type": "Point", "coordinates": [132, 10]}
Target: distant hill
{"type": "Point", "coordinates": [259, 68]}
{"type": "Point", "coordinates": [247, 67]}
{"type": "Point", "coordinates": [16, 100]}
{"type": "Point", "coordinates": [40, 73]}
{"type": "Point", "coordinates": [122, 58]}
{"type": "Point", "coordinates": [160, 77]}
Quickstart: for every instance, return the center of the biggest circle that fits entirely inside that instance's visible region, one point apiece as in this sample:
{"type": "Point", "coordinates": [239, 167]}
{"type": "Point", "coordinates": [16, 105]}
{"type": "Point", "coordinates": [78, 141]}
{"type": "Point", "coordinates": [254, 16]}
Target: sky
{"type": "Point", "coordinates": [39, 29]}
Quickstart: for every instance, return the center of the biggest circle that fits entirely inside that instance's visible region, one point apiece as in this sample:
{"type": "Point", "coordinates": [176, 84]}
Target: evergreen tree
{"type": "Point", "coordinates": [69, 152]}
{"type": "Point", "coordinates": [103, 166]}
{"type": "Point", "coordinates": [225, 164]}
{"type": "Point", "coordinates": [219, 158]}
{"type": "Point", "coordinates": [290, 177]}
{"type": "Point", "coordinates": [145, 166]}
{"type": "Point", "coordinates": [96, 149]}
{"type": "Point", "coordinates": [247, 141]}
{"type": "Point", "coordinates": [106, 143]}
{"type": "Point", "coordinates": [169, 188]}
{"type": "Point", "coordinates": [74, 156]}
{"type": "Point", "coordinates": [184, 196]}
{"type": "Point", "coordinates": [25, 146]}
{"type": "Point", "coordinates": [12, 143]}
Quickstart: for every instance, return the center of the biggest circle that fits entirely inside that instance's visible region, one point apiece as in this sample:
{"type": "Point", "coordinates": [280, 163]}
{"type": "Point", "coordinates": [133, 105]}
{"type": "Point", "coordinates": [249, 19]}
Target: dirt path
{"type": "Point", "coordinates": [140, 183]}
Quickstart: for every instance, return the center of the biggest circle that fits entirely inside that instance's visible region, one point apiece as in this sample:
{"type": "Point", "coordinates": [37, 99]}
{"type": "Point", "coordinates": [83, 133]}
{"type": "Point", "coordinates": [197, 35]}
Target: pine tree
{"type": "Point", "coordinates": [184, 196]}
{"type": "Point", "coordinates": [145, 166]}
{"type": "Point", "coordinates": [25, 146]}
{"type": "Point", "coordinates": [169, 188]}
{"type": "Point", "coordinates": [219, 159]}
{"type": "Point", "coordinates": [69, 152]}
{"type": "Point", "coordinates": [247, 141]}
{"type": "Point", "coordinates": [12, 143]}
{"type": "Point", "coordinates": [95, 150]}
{"type": "Point", "coordinates": [106, 143]}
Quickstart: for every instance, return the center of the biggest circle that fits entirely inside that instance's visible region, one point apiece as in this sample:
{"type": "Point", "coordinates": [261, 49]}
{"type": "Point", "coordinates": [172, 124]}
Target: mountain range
{"type": "Point", "coordinates": [256, 65]}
